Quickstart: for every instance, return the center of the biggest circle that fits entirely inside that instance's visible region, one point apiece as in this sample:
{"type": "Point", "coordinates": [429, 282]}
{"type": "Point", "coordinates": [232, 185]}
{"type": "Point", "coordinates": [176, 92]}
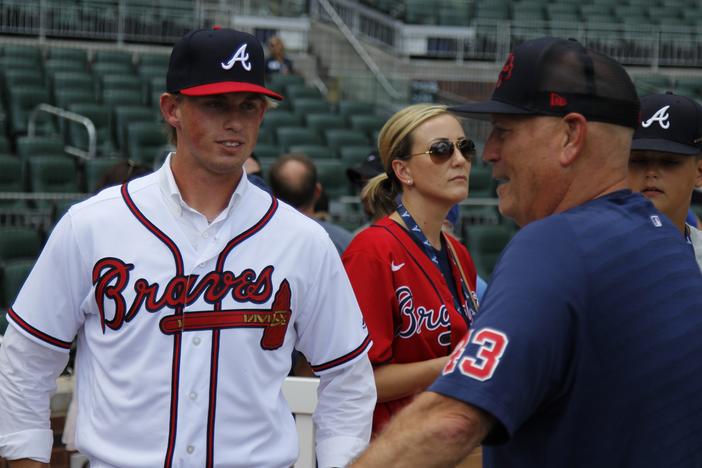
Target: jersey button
{"type": "Point", "coordinates": [205, 234]}
{"type": "Point", "coordinates": [190, 449]}
{"type": "Point", "coordinates": [193, 395]}
{"type": "Point", "coordinates": [196, 341]}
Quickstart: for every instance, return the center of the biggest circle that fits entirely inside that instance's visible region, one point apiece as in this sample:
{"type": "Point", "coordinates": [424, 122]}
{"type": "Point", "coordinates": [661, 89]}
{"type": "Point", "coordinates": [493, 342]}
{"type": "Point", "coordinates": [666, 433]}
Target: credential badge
{"type": "Point", "coordinates": [239, 56]}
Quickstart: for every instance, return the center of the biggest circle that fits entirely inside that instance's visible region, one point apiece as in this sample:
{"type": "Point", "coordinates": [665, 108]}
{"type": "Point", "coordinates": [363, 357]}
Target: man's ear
{"type": "Point", "coordinates": [169, 109]}
{"type": "Point", "coordinates": [574, 138]}
{"type": "Point", "coordinates": [317, 191]}
{"type": "Point", "coordinates": [698, 178]}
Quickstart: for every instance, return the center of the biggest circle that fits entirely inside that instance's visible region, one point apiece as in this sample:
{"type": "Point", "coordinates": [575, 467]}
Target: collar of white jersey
{"type": "Point", "coordinates": [170, 189]}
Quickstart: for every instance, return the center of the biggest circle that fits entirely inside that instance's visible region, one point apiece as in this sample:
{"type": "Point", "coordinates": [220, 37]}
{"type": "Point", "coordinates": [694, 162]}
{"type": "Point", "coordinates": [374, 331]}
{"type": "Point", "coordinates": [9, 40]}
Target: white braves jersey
{"type": "Point", "coordinates": [182, 351]}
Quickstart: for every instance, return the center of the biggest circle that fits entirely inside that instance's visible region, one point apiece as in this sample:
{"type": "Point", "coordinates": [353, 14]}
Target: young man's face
{"type": "Point", "coordinates": [216, 133]}
{"type": "Point", "coordinates": [666, 179]}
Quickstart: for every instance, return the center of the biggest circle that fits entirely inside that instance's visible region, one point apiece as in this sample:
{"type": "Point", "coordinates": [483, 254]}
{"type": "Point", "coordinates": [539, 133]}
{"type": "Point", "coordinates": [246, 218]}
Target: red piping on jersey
{"type": "Point", "coordinates": [175, 366]}
{"type": "Point", "coordinates": [214, 361]}
{"type": "Point", "coordinates": [37, 333]}
{"type": "Point", "coordinates": [344, 358]}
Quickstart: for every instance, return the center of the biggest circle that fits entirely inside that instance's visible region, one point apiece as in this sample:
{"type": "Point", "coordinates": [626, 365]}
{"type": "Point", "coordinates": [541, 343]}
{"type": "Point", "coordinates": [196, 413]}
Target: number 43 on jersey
{"type": "Point", "coordinates": [491, 345]}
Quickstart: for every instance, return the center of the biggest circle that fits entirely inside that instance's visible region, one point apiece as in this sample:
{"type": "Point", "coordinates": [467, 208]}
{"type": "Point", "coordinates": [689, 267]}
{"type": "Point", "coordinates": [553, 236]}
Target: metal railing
{"type": "Point", "coordinates": [91, 152]}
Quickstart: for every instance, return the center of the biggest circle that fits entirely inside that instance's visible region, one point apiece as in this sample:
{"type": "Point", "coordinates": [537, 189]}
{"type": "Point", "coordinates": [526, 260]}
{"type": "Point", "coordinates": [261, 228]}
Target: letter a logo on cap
{"type": "Point", "coordinates": [239, 56]}
{"type": "Point", "coordinates": [661, 116]}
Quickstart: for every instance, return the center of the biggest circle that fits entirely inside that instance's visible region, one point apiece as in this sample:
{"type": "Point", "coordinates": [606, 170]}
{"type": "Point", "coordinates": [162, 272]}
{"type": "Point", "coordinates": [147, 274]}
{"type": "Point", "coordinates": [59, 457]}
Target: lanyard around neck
{"type": "Point", "coordinates": [469, 306]}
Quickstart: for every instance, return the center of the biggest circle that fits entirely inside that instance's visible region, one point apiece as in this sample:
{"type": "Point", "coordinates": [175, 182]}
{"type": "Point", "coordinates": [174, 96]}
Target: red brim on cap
{"type": "Point", "coordinates": [229, 87]}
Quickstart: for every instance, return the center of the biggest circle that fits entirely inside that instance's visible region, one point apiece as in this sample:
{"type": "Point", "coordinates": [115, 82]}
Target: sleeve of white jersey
{"type": "Point", "coordinates": [28, 373]}
{"type": "Point", "coordinates": [48, 307]}
{"type": "Point", "coordinates": [335, 340]}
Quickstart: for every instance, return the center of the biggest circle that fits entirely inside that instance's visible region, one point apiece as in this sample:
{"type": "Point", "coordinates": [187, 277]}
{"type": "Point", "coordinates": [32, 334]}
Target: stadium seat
{"type": "Point", "coordinates": [67, 53]}
{"type": "Point", "coordinates": [21, 77]}
{"type": "Point", "coordinates": [30, 147]}
{"type": "Point", "coordinates": [354, 154]}
{"type": "Point", "coordinates": [112, 56]}
{"type": "Point", "coordinates": [278, 81]}
{"type": "Point", "coordinates": [101, 116]}
{"type": "Point", "coordinates": [52, 66]}
{"type": "Point", "coordinates": [122, 82]}
{"type": "Point", "coordinates": [111, 68]}
{"type": "Point", "coordinates": [82, 80]}
{"type": "Point", "coordinates": [324, 121]}
{"type": "Point", "coordinates": [52, 174]}
{"type": "Point", "coordinates": [145, 140]}
{"type": "Point", "coordinates": [288, 136]}
{"type": "Point", "coordinates": [126, 114]}
{"type": "Point", "coordinates": [274, 119]}
{"type": "Point", "coordinates": [94, 169]}
{"type": "Point", "coordinates": [315, 152]}
{"type": "Point", "coordinates": [19, 242]}
{"type": "Point", "coordinates": [304, 105]}
{"type": "Point", "coordinates": [22, 100]}
{"type": "Point", "coordinates": [348, 108]}
{"type": "Point", "coordinates": [332, 175]}
{"type": "Point", "coordinates": [267, 151]}
{"type": "Point", "coordinates": [11, 180]}
{"type": "Point", "coordinates": [159, 60]}
{"type": "Point", "coordinates": [481, 183]}
{"type": "Point", "coordinates": [3, 321]}
{"type": "Point", "coordinates": [65, 97]}
{"type": "Point", "coordinates": [486, 243]}
{"type": "Point", "coordinates": [297, 90]}
{"type": "Point", "coordinates": [13, 275]}
{"type": "Point", "coordinates": [24, 51]}
{"type": "Point", "coordinates": [337, 138]}
{"type": "Point", "coordinates": [127, 97]}
{"type": "Point", "coordinates": [368, 124]}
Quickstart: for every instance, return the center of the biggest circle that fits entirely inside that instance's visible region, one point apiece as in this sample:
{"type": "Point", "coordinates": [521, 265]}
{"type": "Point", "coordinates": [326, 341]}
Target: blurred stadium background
{"type": "Point", "coordinates": [80, 80]}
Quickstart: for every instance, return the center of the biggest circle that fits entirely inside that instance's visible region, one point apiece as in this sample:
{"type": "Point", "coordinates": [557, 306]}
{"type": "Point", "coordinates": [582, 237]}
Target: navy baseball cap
{"type": "Point", "coordinates": [217, 61]}
{"type": "Point", "coordinates": [367, 169]}
{"type": "Point", "coordinates": [552, 76]}
{"type": "Point", "coordinates": [669, 123]}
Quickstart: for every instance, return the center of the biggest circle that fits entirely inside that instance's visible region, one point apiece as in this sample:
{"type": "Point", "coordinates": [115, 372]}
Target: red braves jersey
{"type": "Point", "coordinates": [405, 300]}
{"type": "Point", "coordinates": [183, 348]}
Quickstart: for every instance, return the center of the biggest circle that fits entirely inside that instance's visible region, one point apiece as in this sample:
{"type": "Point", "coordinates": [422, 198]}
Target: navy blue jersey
{"type": "Point", "coordinates": [588, 346]}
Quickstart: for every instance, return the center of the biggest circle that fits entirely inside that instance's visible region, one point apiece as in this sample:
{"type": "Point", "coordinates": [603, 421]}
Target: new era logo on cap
{"type": "Point", "coordinates": [216, 61]}
{"type": "Point", "coordinates": [669, 123]}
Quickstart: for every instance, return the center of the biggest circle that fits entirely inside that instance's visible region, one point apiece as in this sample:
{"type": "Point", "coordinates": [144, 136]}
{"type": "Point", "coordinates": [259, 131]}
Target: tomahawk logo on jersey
{"type": "Point", "coordinates": [478, 354]}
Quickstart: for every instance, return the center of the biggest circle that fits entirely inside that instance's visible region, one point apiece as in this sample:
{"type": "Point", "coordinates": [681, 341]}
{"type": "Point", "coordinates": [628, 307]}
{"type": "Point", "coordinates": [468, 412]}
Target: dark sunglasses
{"type": "Point", "coordinates": [442, 150]}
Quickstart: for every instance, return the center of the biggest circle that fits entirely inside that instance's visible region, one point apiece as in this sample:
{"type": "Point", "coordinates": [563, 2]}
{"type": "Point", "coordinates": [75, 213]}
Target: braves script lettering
{"type": "Point", "coordinates": [111, 276]}
{"type": "Point", "coordinates": [420, 317]}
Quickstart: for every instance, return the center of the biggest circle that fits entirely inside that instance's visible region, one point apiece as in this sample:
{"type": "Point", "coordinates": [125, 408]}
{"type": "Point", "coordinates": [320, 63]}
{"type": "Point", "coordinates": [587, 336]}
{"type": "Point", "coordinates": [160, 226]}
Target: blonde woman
{"type": "Point", "coordinates": [415, 284]}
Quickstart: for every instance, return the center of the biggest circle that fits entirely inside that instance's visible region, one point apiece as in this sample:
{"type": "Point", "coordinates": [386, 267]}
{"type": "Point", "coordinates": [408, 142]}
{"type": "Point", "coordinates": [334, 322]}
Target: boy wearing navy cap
{"type": "Point", "coordinates": [666, 158]}
{"type": "Point", "coordinates": [188, 290]}
{"type": "Point", "coordinates": [585, 352]}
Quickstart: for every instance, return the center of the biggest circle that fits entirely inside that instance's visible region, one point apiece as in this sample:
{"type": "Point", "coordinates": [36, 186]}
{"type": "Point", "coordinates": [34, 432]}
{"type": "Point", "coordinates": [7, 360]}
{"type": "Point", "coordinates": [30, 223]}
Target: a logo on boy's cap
{"type": "Point", "coordinates": [506, 72]}
{"type": "Point", "coordinates": [661, 116]}
{"type": "Point", "coordinates": [239, 56]}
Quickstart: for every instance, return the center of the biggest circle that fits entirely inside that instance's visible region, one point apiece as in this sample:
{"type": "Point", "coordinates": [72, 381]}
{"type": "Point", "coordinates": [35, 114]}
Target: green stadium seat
{"type": "Point", "coordinates": [111, 68]}
{"type": "Point", "coordinates": [52, 174]}
{"type": "Point", "coordinates": [354, 154]}
{"type": "Point", "coordinates": [13, 274]}
{"type": "Point", "coordinates": [485, 244]}
{"type": "Point", "coordinates": [325, 121]}
{"type": "Point", "coordinates": [52, 66]}
{"type": "Point", "coordinates": [122, 82]}
{"type": "Point", "coordinates": [339, 137]}
{"type": "Point", "coordinates": [297, 90]}
{"type": "Point", "coordinates": [22, 100]}
{"type": "Point", "coordinates": [147, 72]}
{"type": "Point", "coordinates": [279, 81]}
{"type": "Point", "coordinates": [94, 169]}
{"type": "Point", "coordinates": [30, 147]}
{"type": "Point", "coordinates": [420, 12]}
{"type": "Point", "coordinates": [315, 152]}
{"type": "Point", "coordinates": [481, 184]}
{"type": "Point", "coordinates": [159, 60]}
{"type": "Point", "coordinates": [19, 242]}
{"type": "Point", "coordinates": [303, 106]}
{"type": "Point", "coordinates": [123, 115]}
{"type": "Point", "coordinates": [368, 124]}
{"type": "Point", "coordinates": [67, 53]}
{"type": "Point", "coordinates": [16, 63]}
{"type": "Point", "coordinates": [112, 56]}
{"type": "Point", "coordinates": [274, 119]}
{"type": "Point", "coordinates": [101, 116]}
{"type": "Point", "coordinates": [21, 77]}
{"type": "Point", "coordinates": [24, 51]}
{"type": "Point", "coordinates": [127, 97]}
{"type": "Point", "coordinates": [65, 97]}
{"type": "Point", "coordinates": [348, 108]}
{"type": "Point", "coordinates": [267, 151]}
{"type": "Point", "coordinates": [72, 80]}
{"type": "Point", "coordinates": [332, 175]}
{"type": "Point", "coordinates": [289, 136]}
{"type": "Point", "coordinates": [11, 180]}
{"type": "Point", "coordinates": [145, 140]}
